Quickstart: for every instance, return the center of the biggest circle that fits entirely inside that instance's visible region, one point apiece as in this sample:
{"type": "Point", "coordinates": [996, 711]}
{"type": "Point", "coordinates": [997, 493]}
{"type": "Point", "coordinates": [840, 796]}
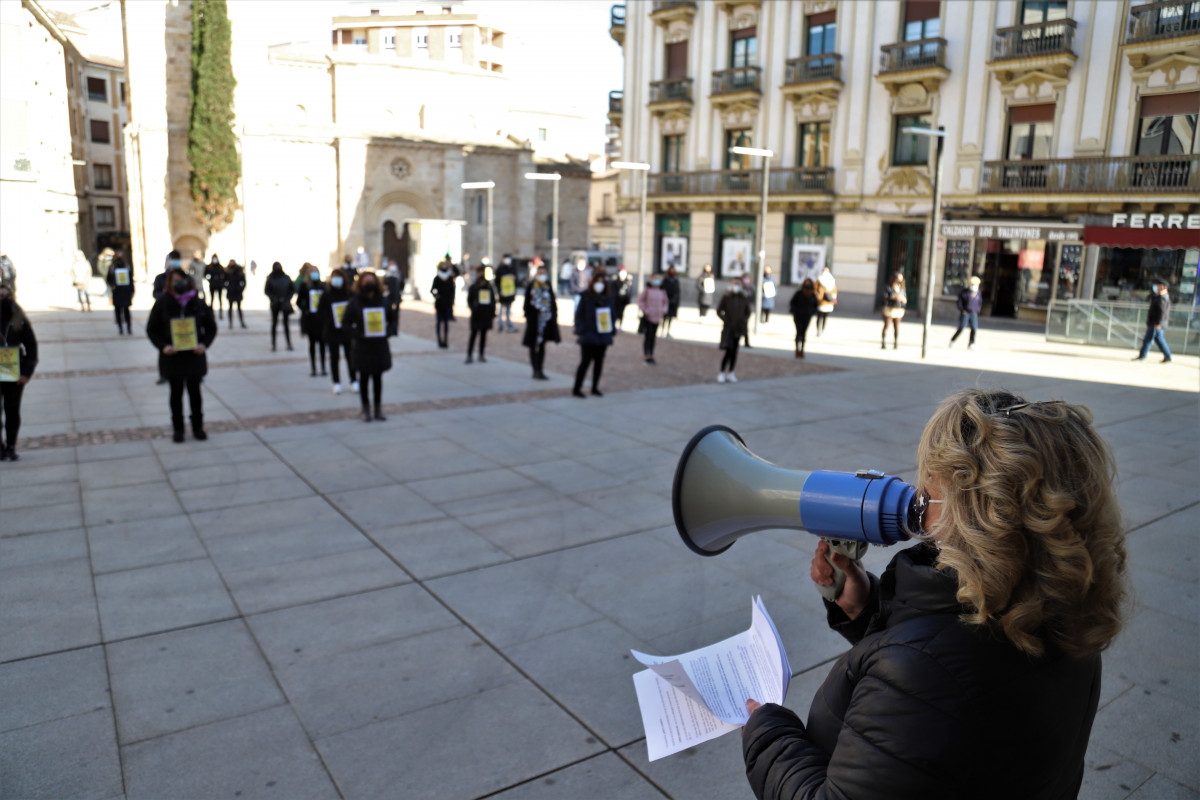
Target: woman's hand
{"type": "Point", "coordinates": [24, 379]}
{"type": "Point", "coordinates": [168, 350]}
{"type": "Point", "coordinates": [199, 349]}
{"type": "Point", "coordinates": [752, 705]}
{"type": "Point", "coordinates": [857, 589]}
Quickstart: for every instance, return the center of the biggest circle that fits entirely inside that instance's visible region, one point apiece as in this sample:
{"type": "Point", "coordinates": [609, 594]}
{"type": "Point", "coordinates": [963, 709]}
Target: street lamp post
{"type": "Point", "coordinates": [935, 220]}
{"type": "Point", "coordinates": [556, 177]}
{"type": "Point", "coordinates": [489, 185]}
{"type": "Point", "coordinates": [644, 168]}
{"type": "Point", "coordinates": [762, 225]}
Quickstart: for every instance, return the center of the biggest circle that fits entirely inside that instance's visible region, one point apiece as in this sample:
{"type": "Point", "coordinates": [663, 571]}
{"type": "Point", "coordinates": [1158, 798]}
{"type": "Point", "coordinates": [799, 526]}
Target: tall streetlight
{"type": "Point", "coordinates": [762, 224]}
{"type": "Point", "coordinates": [489, 185]}
{"type": "Point", "coordinates": [936, 216]}
{"type": "Point", "coordinates": [643, 168]}
{"type": "Point", "coordinates": [556, 177]}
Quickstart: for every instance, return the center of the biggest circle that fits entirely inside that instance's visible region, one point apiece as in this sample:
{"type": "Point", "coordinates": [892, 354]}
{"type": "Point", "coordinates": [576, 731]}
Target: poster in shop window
{"type": "Point", "coordinates": [735, 257]}
{"type": "Point", "coordinates": [674, 253]}
{"type": "Point", "coordinates": [807, 262]}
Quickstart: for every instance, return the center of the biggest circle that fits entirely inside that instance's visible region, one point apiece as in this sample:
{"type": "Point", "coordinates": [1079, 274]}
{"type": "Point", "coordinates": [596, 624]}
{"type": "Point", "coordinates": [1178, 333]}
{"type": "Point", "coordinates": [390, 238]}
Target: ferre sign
{"type": "Point", "coordinates": [1015, 230]}
{"type": "Point", "coordinates": [1190, 222]}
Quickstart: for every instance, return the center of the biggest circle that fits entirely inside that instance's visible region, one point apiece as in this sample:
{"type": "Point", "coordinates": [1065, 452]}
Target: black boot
{"type": "Point", "coordinates": [198, 428]}
{"type": "Point", "coordinates": [177, 424]}
{"type": "Point", "coordinates": [366, 413]}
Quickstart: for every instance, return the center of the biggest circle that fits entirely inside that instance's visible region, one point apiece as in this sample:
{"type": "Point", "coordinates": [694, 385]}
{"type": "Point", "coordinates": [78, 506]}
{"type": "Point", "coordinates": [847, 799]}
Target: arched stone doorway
{"type": "Point", "coordinates": [396, 245]}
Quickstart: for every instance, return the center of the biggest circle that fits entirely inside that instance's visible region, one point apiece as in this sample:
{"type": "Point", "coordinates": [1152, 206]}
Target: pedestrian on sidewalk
{"type": "Point", "coordinates": [215, 274]}
{"type": "Point", "coordinates": [564, 276]}
{"type": "Point", "coordinates": [332, 310]}
{"type": "Point", "coordinates": [748, 288]}
{"type": "Point", "coordinates": [195, 270]}
{"type": "Point", "coordinates": [443, 303]}
{"type": "Point", "coordinates": [8, 273]}
{"type": "Point", "coordinates": [159, 288]}
{"type": "Point", "coordinates": [895, 298]}
{"type": "Point", "coordinates": [581, 278]}
{"type": "Point", "coordinates": [481, 299]}
{"type": "Point", "coordinates": [367, 320]}
{"type": "Point", "coordinates": [769, 290]}
{"type": "Point", "coordinates": [120, 286]}
{"type": "Point", "coordinates": [670, 285]}
{"type": "Point", "coordinates": [308, 300]}
{"type": "Point", "coordinates": [594, 331]}
{"type": "Point", "coordinates": [620, 289]}
{"type": "Point", "coordinates": [506, 284]}
{"type": "Point", "coordinates": [182, 327]}
{"type": "Point", "coordinates": [18, 360]}
{"type": "Point", "coordinates": [81, 276]}
{"type": "Point", "coordinates": [654, 306]}
{"type": "Point", "coordinates": [734, 311]}
{"type": "Point", "coordinates": [802, 307]}
{"type": "Point", "coordinates": [235, 289]}
{"type": "Point", "coordinates": [393, 283]}
{"type": "Point", "coordinates": [1157, 318]}
{"type": "Point", "coordinates": [970, 303]}
{"type": "Point", "coordinates": [706, 290]}
{"type": "Point", "coordinates": [826, 299]}
{"type": "Point", "coordinates": [541, 321]}
{"type": "Point", "coordinates": [279, 290]}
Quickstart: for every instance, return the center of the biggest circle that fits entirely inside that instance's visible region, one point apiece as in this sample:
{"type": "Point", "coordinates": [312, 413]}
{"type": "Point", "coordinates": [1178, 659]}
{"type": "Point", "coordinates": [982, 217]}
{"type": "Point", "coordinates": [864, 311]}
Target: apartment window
{"type": "Point", "coordinates": [106, 217]}
{"type": "Point", "coordinates": [541, 134]}
{"type": "Point", "coordinates": [743, 50]}
{"type": "Point", "coordinates": [100, 131]}
{"type": "Point", "coordinates": [97, 89]}
{"type": "Point", "coordinates": [672, 154]}
{"type": "Point", "coordinates": [421, 41]}
{"type": "Point", "coordinates": [374, 12]}
{"type": "Point", "coordinates": [814, 145]}
{"type": "Point", "coordinates": [360, 41]}
{"type": "Point", "coordinates": [122, 92]}
{"type": "Point", "coordinates": [735, 161]}
{"type": "Point", "coordinates": [454, 37]}
{"type": "Point", "coordinates": [677, 57]}
{"type": "Point", "coordinates": [102, 173]}
{"type": "Point", "coordinates": [822, 33]}
{"type": "Point", "coordinates": [1035, 11]}
{"type": "Point", "coordinates": [909, 149]}
{"type": "Point", "coordinates": [606, 206]}
{"type": "Point", "coordinates": [388, 35]}
{"type": "Point", "coordinates": [1168, 124]}
{"type": "Point", "coordinates": [922, 19]}
{"type": "Point", "coordinates": [1030, 132]}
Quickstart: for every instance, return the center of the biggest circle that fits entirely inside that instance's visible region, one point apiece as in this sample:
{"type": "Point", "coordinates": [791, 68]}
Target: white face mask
{"type": "Point", "coordinates": [335, 282]}
{"type": "Point", "coordinates": [598, 287]}
{"type": "Point", "coordinates": [445, 273]}
{"type": "Point", "coordinates": [737, 288]}
{"type": "Point", "coordinates": [541, 277]}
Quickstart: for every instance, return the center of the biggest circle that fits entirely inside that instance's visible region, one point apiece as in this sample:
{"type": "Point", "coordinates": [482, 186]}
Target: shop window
{"type": "Point", "coordinates": [103, 176]}
{"type": "Point", "coordinates": [910, 149]}
{"type": "Point", "coordinates": [97, 89]}
{"type": "Point", "coordinates": [100, 133]}
{"type": "Point", "coordinates": [106, 217]}
{"type": "Point", "coordinates": [814, 145]}
{"type": "Point", "coordinates": [743, 48]}
{"type": "Point", "coordinates": [677, 57]}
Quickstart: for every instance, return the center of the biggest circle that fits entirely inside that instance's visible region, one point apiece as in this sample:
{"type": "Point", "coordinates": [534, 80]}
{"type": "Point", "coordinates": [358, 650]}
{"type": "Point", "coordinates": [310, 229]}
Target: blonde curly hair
{"type": "Point", "coordinates": [1030, 522]}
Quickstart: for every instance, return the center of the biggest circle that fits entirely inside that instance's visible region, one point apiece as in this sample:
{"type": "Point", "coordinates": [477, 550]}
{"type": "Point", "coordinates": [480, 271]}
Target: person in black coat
{"type": "Point", "coordinates": [506, 286]}
{"type": "Point", "coordinates": [670, 285]}
{"type": "Point", "coordinates": [481, 299]}
{"type": "Point", "coordinates": [181, 327]}
{"type": "Point", "coordinates": [620, 288]}
{"type": "Point", "coordinates": [366, 320]}
{"type": "Point", "coordinates": [331, 314]}
{"type": "Point", "coordinates": [541, 321]}
{"type": "Point", "coordinates": [1157, 317]}
{"type": "Point", "coordinates": [734, 311]}
{"type": "Point", "coordinates": [308, 299]}
{"type": "Point", "coordinates": [975, 665]}
{"type": "Point", "coordinates": [235, 289]}
{"type": "Point", "coordinates": [120, 285]}
{"type": "Point", "coordinates": [215, 274]}
{"type": "Point", "coordinates": [802, 307]}
{"type": "Point", "coordinates": [970, 303]}
{"type": "Point", "coordinates": [443, 302]}
{"type": "Point", "coordinates": [16, 333]}
{"type": "Point", "coordinates": [393, 283]}
{"type": "Point", "coordinates": [279, 290]}
{"type": "Point", "coordinates": [594, 331]}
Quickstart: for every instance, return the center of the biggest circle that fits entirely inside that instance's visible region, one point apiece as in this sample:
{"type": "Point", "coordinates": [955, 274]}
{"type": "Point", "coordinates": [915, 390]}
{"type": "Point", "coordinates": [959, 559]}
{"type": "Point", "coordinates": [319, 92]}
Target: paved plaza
{"type": "Point", "coordinates": [442, 605]}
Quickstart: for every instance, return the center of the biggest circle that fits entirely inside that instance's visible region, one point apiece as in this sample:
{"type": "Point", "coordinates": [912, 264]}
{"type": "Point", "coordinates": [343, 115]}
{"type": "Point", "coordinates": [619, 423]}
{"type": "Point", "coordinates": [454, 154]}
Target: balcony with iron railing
{"type": "Point", "coordinates": [813, 69]}
{"type": "Point", "coordinates": [663, 11]}
{"type": "Point", "coordinates": [914, 55]}
{"type": "Point", "coordinates": [737, 81]}
{"type": "Point", "coordinates": [616, 24]}
{"type": "Point", "coordinates": [1152, 22]}
{"type": "Point", "coordinates": [670, 94]}
{"type": "Point", "coordinates": [1041, 39]}
{"type": "Point", "coordinates": [1169, 174]}
{"type": "Point", "coordinates": [783, 181]}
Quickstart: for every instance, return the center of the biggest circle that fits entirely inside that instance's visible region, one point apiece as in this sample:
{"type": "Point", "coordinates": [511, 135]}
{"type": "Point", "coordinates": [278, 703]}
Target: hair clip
{"type": "Point", "coordinates": [1008, 411]}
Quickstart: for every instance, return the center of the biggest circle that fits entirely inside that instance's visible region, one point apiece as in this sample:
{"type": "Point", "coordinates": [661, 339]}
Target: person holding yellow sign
{"type": "Point", "coordinates": [368, 318]}
{"type": "Point", "coordinates": [308, 298]}
{"type": "Point", "coordinates": [594, 327]}
{"type": "Point", "coordinates": [481, 299]}
{"type": "Point", "coordinates": [18, 359]}
{"type": "Point", "coordinates": [182, 327]}
{"type": "Point", "coordinates": [331, 312]}
{"type": "Point", "coordinates": [506, 284]}
{"type": "Point", "coordinates": [120, 285]}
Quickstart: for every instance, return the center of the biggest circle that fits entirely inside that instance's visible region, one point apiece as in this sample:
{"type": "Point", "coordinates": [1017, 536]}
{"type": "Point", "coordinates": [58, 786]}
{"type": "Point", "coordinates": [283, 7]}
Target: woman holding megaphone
{"type": "Point", "coordinates": [975, 666]}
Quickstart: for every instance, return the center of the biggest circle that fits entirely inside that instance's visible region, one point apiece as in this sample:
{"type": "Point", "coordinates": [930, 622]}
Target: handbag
{"type": "Point", "coordinates": [641, 324]}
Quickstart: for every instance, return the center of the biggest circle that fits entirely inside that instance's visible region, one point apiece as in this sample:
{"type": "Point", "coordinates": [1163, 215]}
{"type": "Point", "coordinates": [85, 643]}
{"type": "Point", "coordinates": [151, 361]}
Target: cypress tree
{"type": "Point", "coordinates": [212, 145]}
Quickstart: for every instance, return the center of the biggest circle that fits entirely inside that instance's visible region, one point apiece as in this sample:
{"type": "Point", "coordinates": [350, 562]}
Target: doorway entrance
{"type": "Point", "coordinates": [396, 247]}
{"type": "Point", "coordinates": [903, 255]}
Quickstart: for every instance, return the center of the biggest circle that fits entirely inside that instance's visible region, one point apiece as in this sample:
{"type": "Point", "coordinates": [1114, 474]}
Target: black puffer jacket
{"type": "Point", "coordinates": [924, 706]}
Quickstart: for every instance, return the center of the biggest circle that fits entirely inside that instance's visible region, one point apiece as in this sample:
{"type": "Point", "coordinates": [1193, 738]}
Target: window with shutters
{"type": "Point", "coordinates": [743, 50]}
{"type": "Point", "coordinates": [97, 89]}
{"type": "Point", "coordinates": [1168, 124]}
{"type": "Point", "coordinates": [100, 132]}
{"type": "Point", "coordinates": [677, 56]}
{"type": "Point", "coordinates": [103, 175]}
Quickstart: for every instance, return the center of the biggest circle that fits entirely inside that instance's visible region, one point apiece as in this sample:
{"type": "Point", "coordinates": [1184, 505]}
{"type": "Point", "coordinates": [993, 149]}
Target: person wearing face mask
{"type": "Point", "coordinates": [970, 303]}
{"type": "Point", "coordinates": [594, 329]}
{"type": "Point", "coordinates": [18, 359]}
{"type": "Point", "coordinates": [120, 286]}
{"type": "Point", "coordinates": [734, 310]}
{"type": "Point", "coordinates": [620, 289]}
{"type": "Point", "coordinates": [235, 289]}
{"type": "Point", "coordinates": [279, 289]}
{"type": "Point", "coordinates": [308, 299]}
{"type": "Point", "coordinates": [481, 299]}
{"type": "Point", "coordinates": [706, 290]}
{"type": "Point", "coordinates": [581, 278]}
{"type": "Point", "coordinates": [159, 288]}
{"type": "Point", "coordinates": [541, 321]}
{"type": "Point", "coordinates": [670, 285]}
{"type": "Point", "coordinates": [506, 284]}
{"type": "Point", "coordinates": [366, 321]}
{"type": "Point", "coordinates": [182, 327]}
{"type": "Point", "coordinates": [393, 282]}
{"type": "Point", "coordinates": [443, 303]}
{"type": "Point", "coordinates": [331, 312]}
{"type": "Point", "coordinates": [216, 283]}
{"type": "Point", "coordinates": [769, 290]}
{"type": "Point", "coordinates": [654, 305]}
{"type": "Point", "coordinates": [802, 308]}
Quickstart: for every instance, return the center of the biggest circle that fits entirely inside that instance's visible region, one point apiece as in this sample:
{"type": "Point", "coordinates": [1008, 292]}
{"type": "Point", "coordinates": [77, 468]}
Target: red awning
{"type": "Point", "coordinates": [1143, 238]}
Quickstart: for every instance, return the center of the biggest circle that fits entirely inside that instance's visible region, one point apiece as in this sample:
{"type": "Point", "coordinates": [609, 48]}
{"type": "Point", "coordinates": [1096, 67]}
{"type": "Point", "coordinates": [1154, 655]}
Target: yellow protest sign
{"type": "Point", "coordinates": [604, 320]}
{"type": "Point", "coordinates": [122, 276]}
{"type": "Point", "coordinates": [485, 297]}
{"type": "Point", "coordinates": [10, 364]}
{"type": "Point", "coordinates": [508, 285]}
{"type": "Point", "coordinates": [183, 333]}
{"type": "Point", "coordinates": [314, 300]}
{"type": "Point", "coordinates": [373, 322]}
{"type": "Point", "coordinates": [339, 311]}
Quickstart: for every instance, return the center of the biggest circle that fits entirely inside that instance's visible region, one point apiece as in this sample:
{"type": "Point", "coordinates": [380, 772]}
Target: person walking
{"type": "Point", "coordinates": [279, 290]}
{"type": "Point", "coordinates": [8, 272]}
{"type": "Point", "coordinates": [331, 310]}
{"type": "Point", "coordinates": [1157, 318]}
{"type": "Point", "coordinates": [481, 299]}
{"type": "Point", "coordinates": [216, 284]}
{"type": "Point", "coordinates": [443, 303]}
{"type": "Point", "coordinates": [769, 290]}
{"type": "Point", "coordinates": [235, 289]}
{"type": "Point", "coordinates": [120, 286]}
{"type": "Point", "coordinates": [895, 298]}
{"type": "Point", "coordinates": [506, 285]}
{"type": "Point", "coordinates": [654, 305]}
{"type": "Point", "coordinates": [541, 321]}
{"type": "Point", "coordinates": [970, 303]}
{"type": "Point", "coordinates": [734, 311]}
{"type": "Point", "coordinates": [393, 283]}
{"type": "Point", "coordinates": [182, 327]}
{"type": "Point", "coordinates": [366, 319]}
{"type": "Point", "coordinates": [594, 332]}
{"type": "Point", "coordinates": [826, 299]}
{"type": "Point", "coordinates": [564, 276]}
{"type": "Point", "coordinates": [81, 276]}
{"type": "Point", "coordinates": [308, 300]}
{"type": "Point", "coordinates": [580, 279]}
{"type": "Point", "coordinates": [802, 307]}
{"type": "Point", "coordinates": [620, 288]}
{"type": "Point", "coordinates": [706, 290]}
{"type": "Point", "coordinates": [18, 360]}
{"type": "Point", "coordinates": [670, 285]}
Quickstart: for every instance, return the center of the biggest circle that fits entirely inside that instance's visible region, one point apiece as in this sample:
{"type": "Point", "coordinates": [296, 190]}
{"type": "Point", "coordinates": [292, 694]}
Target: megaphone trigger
{"type": "Point", "coordinates": [848, 548]}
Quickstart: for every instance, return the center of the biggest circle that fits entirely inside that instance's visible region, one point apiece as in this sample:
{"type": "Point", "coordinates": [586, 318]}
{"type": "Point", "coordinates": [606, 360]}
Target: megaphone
{"type": "Point", "coordinates": [722, 492]}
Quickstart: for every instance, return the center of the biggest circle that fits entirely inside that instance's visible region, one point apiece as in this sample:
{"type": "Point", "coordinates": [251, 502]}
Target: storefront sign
{"type": "Point", "coordinates": [1012, 230]}
{"type": "Point", "coordinates": [1190, 221]}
